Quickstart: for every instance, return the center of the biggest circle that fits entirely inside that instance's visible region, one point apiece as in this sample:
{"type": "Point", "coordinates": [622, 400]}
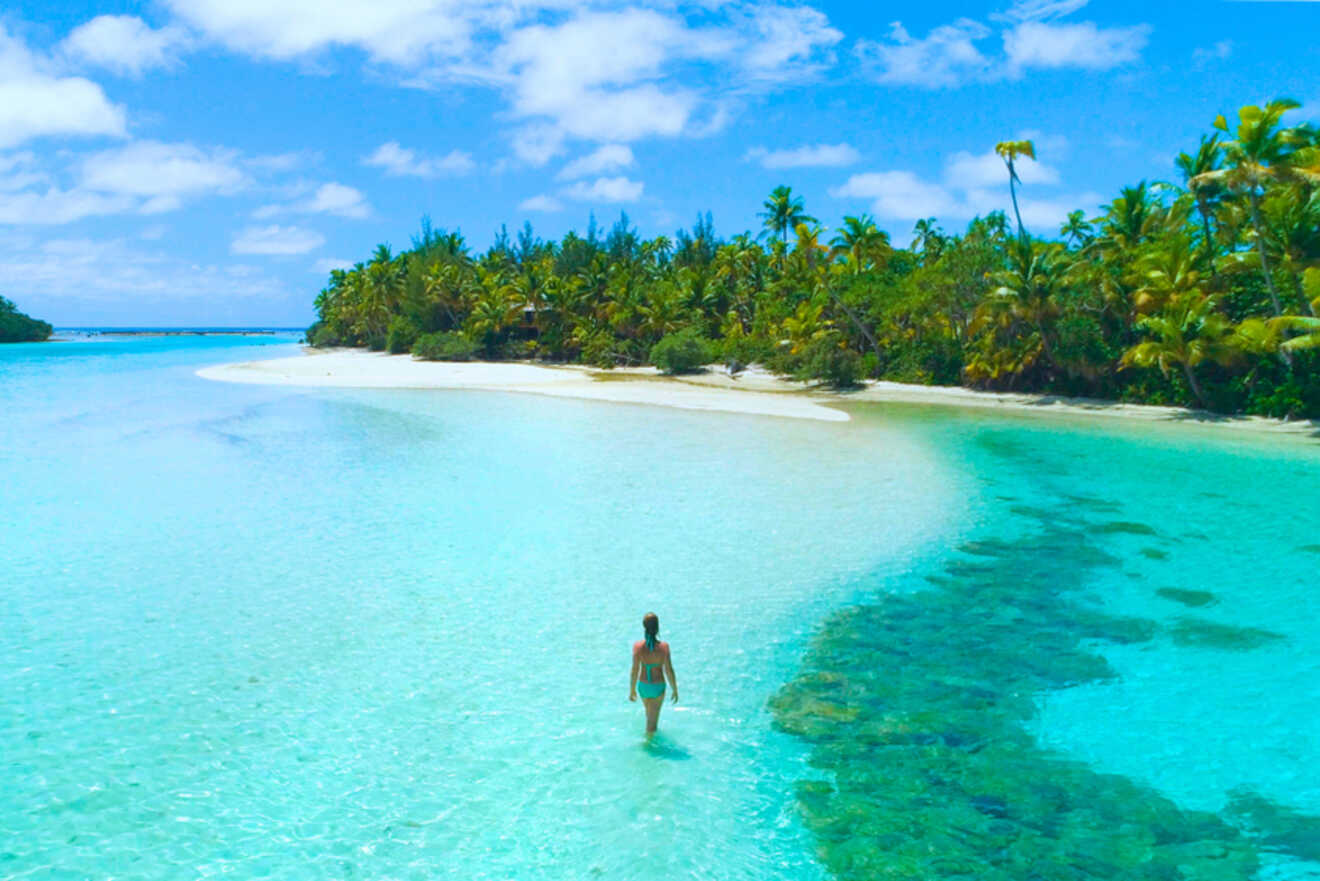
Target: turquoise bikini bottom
{"type": "Point", "coordinates": [651, 690]}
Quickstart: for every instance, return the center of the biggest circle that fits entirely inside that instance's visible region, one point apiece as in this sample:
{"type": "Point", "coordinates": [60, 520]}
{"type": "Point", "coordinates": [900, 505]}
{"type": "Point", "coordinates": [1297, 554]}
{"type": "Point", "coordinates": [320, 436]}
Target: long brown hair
{"type": "Point", "coordinates": [650, 624]}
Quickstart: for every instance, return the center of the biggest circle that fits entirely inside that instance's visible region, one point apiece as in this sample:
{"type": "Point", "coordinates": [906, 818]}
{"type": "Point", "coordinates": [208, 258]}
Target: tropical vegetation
{"type": "Point", "coordinates": [1200, 291]}
{"type": "Point", "coordinates": [15, 327]}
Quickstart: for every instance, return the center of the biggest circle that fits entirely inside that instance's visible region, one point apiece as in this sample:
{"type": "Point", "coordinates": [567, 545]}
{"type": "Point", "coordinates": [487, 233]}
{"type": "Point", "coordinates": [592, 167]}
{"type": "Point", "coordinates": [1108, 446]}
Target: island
{"type": "Point", "coordinates": [15, 327]}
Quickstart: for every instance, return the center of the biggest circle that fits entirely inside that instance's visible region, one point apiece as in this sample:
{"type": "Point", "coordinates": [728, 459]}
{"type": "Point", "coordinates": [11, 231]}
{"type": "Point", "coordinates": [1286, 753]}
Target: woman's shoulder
{"type": "Point", "coordinates": [663, 647]}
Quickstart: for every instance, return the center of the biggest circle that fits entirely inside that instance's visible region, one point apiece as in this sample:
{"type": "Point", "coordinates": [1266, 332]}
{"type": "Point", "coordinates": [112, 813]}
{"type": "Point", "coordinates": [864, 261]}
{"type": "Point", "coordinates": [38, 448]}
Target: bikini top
{"type": "Point", "coordinates": [651, 646]}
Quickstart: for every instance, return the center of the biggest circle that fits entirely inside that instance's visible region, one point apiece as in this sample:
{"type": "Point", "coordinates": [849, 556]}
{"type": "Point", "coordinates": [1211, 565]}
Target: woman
{"type": "Point", "coordinates": [648, 655]}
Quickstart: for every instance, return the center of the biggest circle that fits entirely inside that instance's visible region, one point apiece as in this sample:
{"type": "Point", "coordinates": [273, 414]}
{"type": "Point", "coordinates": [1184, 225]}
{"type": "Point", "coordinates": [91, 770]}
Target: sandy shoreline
{"type": "Point", "coordinates": [754, 391]}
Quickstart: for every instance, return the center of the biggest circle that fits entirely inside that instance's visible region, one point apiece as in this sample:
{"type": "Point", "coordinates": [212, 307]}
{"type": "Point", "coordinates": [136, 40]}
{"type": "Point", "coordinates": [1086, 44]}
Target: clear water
{"type": "Point", "coordinates": [268, 632]}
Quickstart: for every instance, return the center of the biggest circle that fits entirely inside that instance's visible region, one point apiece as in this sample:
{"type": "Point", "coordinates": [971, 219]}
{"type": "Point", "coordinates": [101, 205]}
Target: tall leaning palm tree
{"type": "Point", "coordinates": [783, 212]}
{"type": "Point", "coordinates": [1010, 151]}
{"type": "Point", "coordinates": [1194, 167]}
{"type": "Point", "coordinates": [1263, 153]}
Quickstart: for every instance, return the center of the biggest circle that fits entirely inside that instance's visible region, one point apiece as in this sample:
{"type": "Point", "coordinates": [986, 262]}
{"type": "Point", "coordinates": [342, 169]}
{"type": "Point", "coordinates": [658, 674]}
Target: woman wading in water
{"type": "Point", "coordinates": [650, 667]}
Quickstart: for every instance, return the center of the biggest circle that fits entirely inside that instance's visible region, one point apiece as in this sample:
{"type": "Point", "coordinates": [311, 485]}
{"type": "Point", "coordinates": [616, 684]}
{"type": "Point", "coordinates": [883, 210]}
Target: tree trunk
{"type": "Point", "coordinates": [1012, 190]}
{"type": "Point", "coordinates": [1196, 386]}
{"type": "Point", "coordinates": [1209, 237]}
{"type": "Point", "coordinates": [879, 357]}
{"type": "Point", "coordinates": [1254, 199]}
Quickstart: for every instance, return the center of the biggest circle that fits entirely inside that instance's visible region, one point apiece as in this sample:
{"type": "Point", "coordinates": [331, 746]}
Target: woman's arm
{"type": "Point", "coordinates": [632, 677]}
{"type": "Point", "coordinates": [669, 673]}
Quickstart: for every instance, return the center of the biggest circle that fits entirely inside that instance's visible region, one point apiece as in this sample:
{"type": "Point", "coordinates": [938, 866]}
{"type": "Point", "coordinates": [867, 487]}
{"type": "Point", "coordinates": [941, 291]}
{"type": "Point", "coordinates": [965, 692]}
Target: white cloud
{"type": "Point", "coordinates": [818, 155]}
{"type": "Point", "coordinates": [326, 265]}
{"type": "Point", "coordinates": [1042, 10]}
{"type": "Point", "coordinates": [333, 198]}
{"type": "Point", "coordinates": [542, 203]}
{"type": "Point", "coordinates": [537, 143]}
{"type": "Point", "coordinates": [395, 31]}
{"type": "Point", "coordinates": [124, 44]}
{"type": "Point", "coordinates": [608, 157]}
{"type": "Point", "coordinates": [784, 42]}
{"type": "Point", "coordinates": [1035, 44]}
{"type": "Point", "coordinates": [605, 189]}
{"type": "Point", "coordinates": [966, 171]}
{"type": "Point", "coordinates": [153, 169]}
{"type": "Point", "coordinates": [970, 185]}
{"type": "Point", "coordinates": [1218, 52]}
{"type": "Point", "coordinates": [399, 162]}
{"type": "Point", "coordinates": [898, 194]}
{"type": "Point", "coordinates": [276, 240]}
{"type": "Point", "coordinates": [951, 55]}
{"type": "Point", "coordinates": [80, 280]}
{"type": "Point", "coordinates": [947, 56]}
{"type": "Point", "coordinates": [36, 102]}
{"type": "Point", "coordinates": [56, 206]}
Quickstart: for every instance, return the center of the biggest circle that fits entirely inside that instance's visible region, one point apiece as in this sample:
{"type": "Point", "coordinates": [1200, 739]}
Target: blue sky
{"type": "Point", "coordinates": [205, 162]}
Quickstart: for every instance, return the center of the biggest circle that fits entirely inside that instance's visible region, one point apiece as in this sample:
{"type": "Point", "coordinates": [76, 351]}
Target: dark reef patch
{"type": "Point", "coordinates": [1154, 554]}
{"type": "Point", "coordinates": [919, 708]}
{"type": "Point", "coordinates": [1123, 527]}
{"type": "Point", "coordinates": [1192, 598]}
{"type": "Point", "coordinates": [1276, 827]}
{"type": "Point", "coordinates": [1200, 633]}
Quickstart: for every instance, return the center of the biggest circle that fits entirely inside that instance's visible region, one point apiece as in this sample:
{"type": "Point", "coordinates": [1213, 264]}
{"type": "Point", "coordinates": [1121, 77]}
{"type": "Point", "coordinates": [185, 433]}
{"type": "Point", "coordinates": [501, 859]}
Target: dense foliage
{"type": "Point", "coordinates": [15, 327]}
{"type": "Point", "coordinates": [1203, 291]}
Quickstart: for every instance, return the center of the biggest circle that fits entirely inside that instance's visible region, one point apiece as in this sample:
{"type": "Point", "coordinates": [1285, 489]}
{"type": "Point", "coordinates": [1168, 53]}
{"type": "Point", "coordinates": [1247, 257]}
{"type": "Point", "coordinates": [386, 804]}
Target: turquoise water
{"type": "Point", "coordinates": [268, 632]}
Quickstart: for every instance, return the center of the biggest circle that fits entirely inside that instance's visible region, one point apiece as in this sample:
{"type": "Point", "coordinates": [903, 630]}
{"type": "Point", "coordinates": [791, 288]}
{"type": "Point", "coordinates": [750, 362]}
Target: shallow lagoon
{"type": "Point", "coordinates": [384, 634]}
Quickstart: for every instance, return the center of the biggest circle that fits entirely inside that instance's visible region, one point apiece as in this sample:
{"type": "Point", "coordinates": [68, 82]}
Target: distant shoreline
{"type": "Point", "coordinates": [753, 391]}
{"type": "Point", "coordinates": [173, 331]}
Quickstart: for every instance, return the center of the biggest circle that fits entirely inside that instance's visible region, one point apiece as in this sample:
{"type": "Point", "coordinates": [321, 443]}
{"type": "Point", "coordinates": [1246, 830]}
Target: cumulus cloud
{"type": "Point", "coordinates": [276, 241]}
{"type": "Point", "coordinates": [145, 177]}
{"type": "Point", "coordinates": [331, 198]}
{"type": "Point", "coordinates": [947, 56]}
{"type": "Point", "coordinates": [1032, 37]}
{"type": "Point", "coordinates": [1035, 44]}
{"type": "Point", "coordinates": [124, 44]}
{"type": "Point", "coordinates": [394, 31]}
{"type": "Point", "coordinates": [605, 189]}
{"type": "Point", "coordinates": [608, 157]}
{"type": "Point", "coordinates": [818, 155]}
{"type": "Point", "coordinates": [594, 71]}
{"type": "Point", "coordinates": [541, 203]}
{"type": "Point", "coordinates": [153, 169]}
{"type": "Point", "coordinates": [970, 185]}
{"type": "Point", "coordinates": [399, 162]}
{"type": "Point", "coordinates": [36, 101]}
{"type": "Point", "coordinates": [90, 281]}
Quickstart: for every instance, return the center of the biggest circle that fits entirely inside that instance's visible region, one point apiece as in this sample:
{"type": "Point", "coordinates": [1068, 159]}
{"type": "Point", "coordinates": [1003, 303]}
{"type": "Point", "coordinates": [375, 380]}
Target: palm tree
{"type": "Point", "coordinates": [1077, 229]}
{"type": "Point", "coordinates": [1188, 332]}
{"type": "Point", "coordinates": [1263, 153]}
{"type": "Point", "coordinates": [860, 244]}
{"type": "Point", "coordinates": [929, 238]}
{"type": "Point", "coordinates": [1194, 168]}
{"type": "Point", "coordinates": [784, 211]}
{"type": "Point", "coordinates": [1009, 151]}
{"type": "Point", "coordinates": [1309, 325]}
{"type": "Point", "coordinates": [1027, 289]}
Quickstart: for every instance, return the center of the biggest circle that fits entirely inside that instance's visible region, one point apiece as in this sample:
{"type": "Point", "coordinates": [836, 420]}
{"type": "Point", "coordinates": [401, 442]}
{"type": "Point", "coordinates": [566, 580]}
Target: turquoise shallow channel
{"type": "Point", "coordinates": [267, 632]}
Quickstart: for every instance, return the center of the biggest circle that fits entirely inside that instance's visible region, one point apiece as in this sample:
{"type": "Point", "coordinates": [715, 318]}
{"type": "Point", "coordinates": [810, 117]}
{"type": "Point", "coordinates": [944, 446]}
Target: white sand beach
{"type": "Point", "coordinates": [351, 368]}
{"type": "Point", "coordinates": [753, 391]}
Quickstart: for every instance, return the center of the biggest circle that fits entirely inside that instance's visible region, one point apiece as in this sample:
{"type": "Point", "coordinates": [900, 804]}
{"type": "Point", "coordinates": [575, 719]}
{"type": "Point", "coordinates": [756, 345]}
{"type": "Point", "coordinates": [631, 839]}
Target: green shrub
{"type": "Point", "coordinates": [446, 346]}
{"type": "Point", "coordinates": [826, 360]}
{"type": "Point", "coordinates": [322, 336]}
{"type": "Point", "coordinates": [598, 350]}
{"type": "Point", "coordinates": [743, 351]}
{"type": "Point", "coordinates": [401, 335]}
{"type": "Point", "coordinates": [686, 351]}
{"type": "Point", "coordinates": [15, 327]}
